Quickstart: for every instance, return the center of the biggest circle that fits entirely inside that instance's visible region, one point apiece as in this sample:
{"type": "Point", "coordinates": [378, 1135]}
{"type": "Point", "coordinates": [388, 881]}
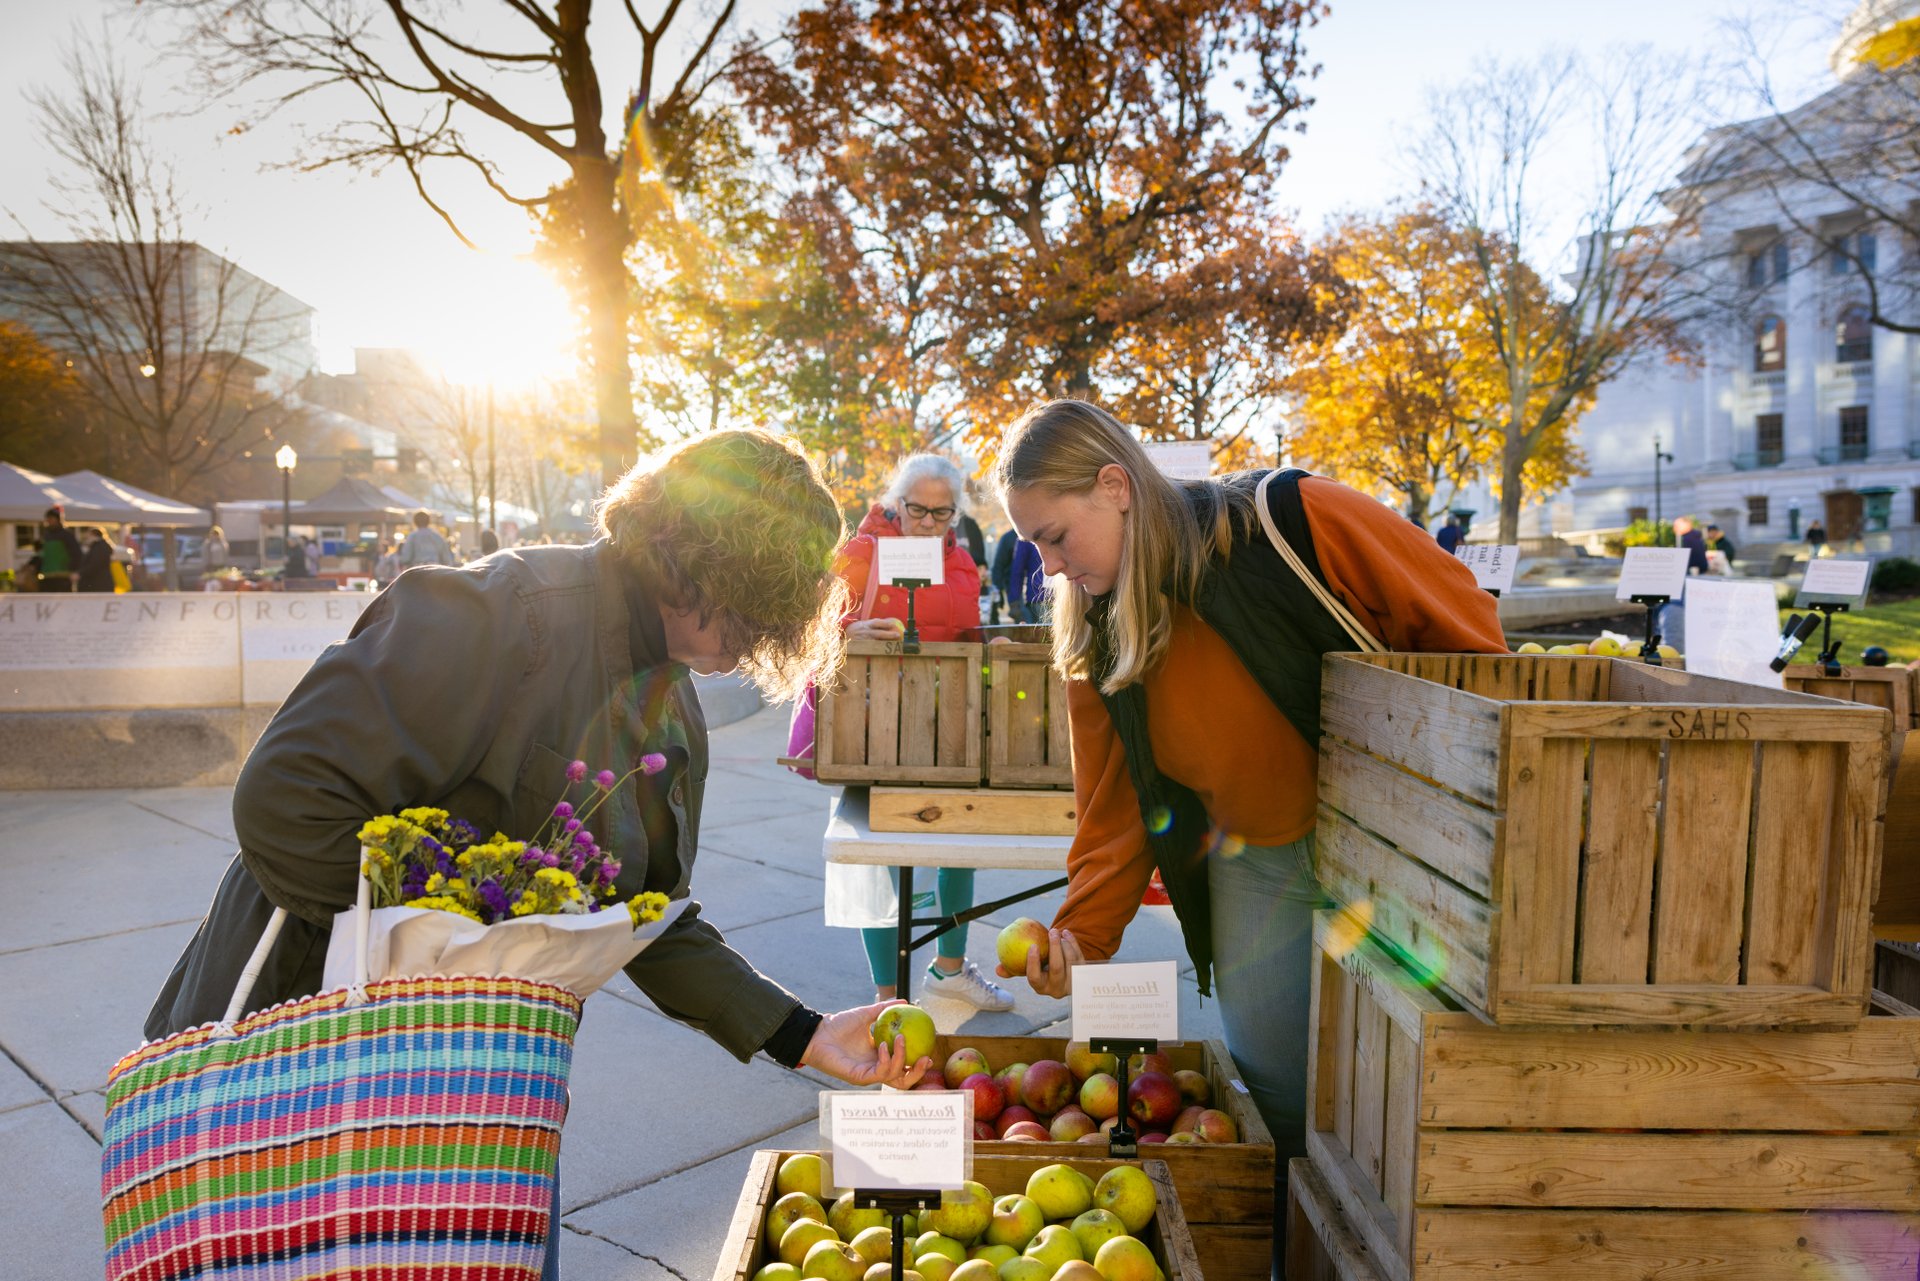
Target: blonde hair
{"type": "Point", "coordinates": [738, 526]}
{"type": "Point", "coordinates": [1170, 532]}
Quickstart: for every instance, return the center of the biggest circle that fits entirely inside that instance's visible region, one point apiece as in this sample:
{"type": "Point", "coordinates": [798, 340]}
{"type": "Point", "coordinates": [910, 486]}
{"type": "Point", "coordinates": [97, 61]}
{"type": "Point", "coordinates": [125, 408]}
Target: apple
{"type": "Point", "coordinates": [1128, 1192]}
{"type": "Point", "coordinates": [800, 1172]}
{"type": "Point", "coordinates": [777, 1272]}
{"type": "Point", "coordinates": [1150, 1062]}
{"type": "Point", "coordinates": [1106, 1126]}
{"type": "Point", "coordinates": [1017, 940]}
{"type": "Point", "coordinates": [1098, 1136]}
{"type": "Point", "coordinates": [1095, 1228]}
{"type": "Point", "coordinates": [1153, 1099]}
{"type": "Point", "coordinates": [1083, 1062]}
{"type": "Point", "coordinates": [1012, 1116]}
{"type": "Point", "coordinates": [1216, 1127]}
{"type": "Point", "coordinates": [1028, 1131]}
{"type": "Point", "coordinates": [1605, 647]}
{"type": "Point", "coordinates": [909, 1023]}
{"type": "Point", "coordinates": [1055, 1247]}
{"type": "Point", "coordinates": [1669, 653]}
{"type": "Point", "coordinates": [1184, 1122]}
{"type": "Point", "coordinates": [936, 1267]}
{"type": "Point", "coordinates": [1194, 1087]}
{"type": "Point", "coordinates": [1047, 1086]}
{"type": "Point", "coordinates": [802, 1237]}
{"type": "Point", "coordinates": [790, 1209]}
{"type": "Point", "coordinates": [1562, 649]}
{"type": "Point", "coordinates": [1125, 1259]}
{"type": "Point", "coordinates": [994, 1255]}
{"type": "Point", "coordinates": [1071, 1125]}
{"type": "Point", "coordinates": [983, 1130]}
{"type": "Point", "coordinates": [875, 1245]}
{"type": "Point", "coordinates": [1100, 1096]}
{"type": "Point", "coordinates": [1153, 1136]}
{"type": "Point", "coordinates": [1185, 1136]}
{"type": "Point", "coordinates": [833, 1261]}
{"type": "Point", "coordinates": [1025, 1269]}
{"type": "Point", "coordinates": [962, 1214]}
{"type": "Point", "coordinates": [1009, 1078]}
{"type": "Point", "coordinates": [987, 1098]}
{"type": "Point", "coordinates": [977, 1270]}
{"type": "Point", "coordinates": [931, 1081]}
{"type": "Point", "coordinates": [884, 1272]}
{"type": "Point", "coordinates": [934, 1243]}
{"type": "Point", "coordinates": [1060, 1191]}
{"type": "Point", "coordinates": [1078, 1270]}
{"type": "Point", "coordinates": [1531, 647]}
{"type": "Point", "coordinates": [849, 1220]}
{"type": "Point", "coordinates": [962, 1064]}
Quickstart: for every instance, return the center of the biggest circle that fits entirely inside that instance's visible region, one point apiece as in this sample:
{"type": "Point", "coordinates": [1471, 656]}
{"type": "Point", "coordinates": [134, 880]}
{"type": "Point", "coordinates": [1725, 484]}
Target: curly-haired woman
{"type": "Point", "coordinates": [471, 690]}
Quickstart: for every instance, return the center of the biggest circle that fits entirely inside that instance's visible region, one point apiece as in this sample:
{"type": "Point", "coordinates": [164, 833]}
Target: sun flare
{"type": "Point", "coordinates": [503, 322]}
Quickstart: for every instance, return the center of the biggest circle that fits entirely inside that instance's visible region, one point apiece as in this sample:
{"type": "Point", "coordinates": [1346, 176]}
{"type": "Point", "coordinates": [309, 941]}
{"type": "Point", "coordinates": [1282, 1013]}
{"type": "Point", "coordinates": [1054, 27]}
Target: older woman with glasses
{"type": "Point", "coordinates": [923, 500]}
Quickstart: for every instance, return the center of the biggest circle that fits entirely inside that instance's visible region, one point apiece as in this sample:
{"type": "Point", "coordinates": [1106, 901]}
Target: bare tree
{"type": "Point", "coordinates": [434, 97]}
{"type": "Point", "coordinates": [1570, 297]}
{"type": "Point", "coordinates": [166, 337]}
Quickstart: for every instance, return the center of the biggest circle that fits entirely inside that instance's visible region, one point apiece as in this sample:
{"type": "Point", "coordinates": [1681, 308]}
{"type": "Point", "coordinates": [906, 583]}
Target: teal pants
{"type": "Point", "coordinates": [955, 886]}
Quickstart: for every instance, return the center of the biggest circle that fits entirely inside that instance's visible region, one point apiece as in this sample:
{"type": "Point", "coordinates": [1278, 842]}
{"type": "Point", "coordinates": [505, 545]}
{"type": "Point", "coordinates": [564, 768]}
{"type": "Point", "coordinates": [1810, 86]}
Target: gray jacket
{"type": "Point", "coordinates": [425, 546]}
{"type": "Point", "coordinates": [471, 690]}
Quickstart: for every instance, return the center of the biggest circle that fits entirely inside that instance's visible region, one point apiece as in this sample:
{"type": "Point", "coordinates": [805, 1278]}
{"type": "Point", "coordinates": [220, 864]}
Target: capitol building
{"type": "Point", "coordinates": [1799, 407]}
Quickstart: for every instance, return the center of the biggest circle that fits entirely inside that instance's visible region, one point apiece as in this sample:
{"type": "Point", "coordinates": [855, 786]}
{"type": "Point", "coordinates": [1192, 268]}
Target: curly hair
{"type": "Point", "coordinates": [738, 526]}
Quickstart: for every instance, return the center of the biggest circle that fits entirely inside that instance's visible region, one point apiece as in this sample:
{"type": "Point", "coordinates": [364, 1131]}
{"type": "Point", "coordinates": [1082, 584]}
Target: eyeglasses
{"type": "Point", "coordinates": [918, 512]}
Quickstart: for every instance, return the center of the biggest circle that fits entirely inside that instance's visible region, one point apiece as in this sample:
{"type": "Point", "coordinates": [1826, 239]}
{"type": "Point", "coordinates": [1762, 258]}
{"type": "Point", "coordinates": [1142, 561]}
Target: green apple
{"type": "Point", "coordinates": [802, 1237]}
{"type": "Point", "coordinates": [993, 1255]}
{"type": "Point", "coordinates": [935, 1267]}
{"type": "Point", "coordinates": [850, 1221]}
{"type": "Point", "coordinates": [833, 1261]}
{"type": "Point", "coordinates": [1060, 1191]}
{"type": "Point", "coordinates": [884, 1272]}
{"type": "Point", "coordinates": [1126, 1259]}
{"type": "Point", "coordinates": [1095, 1228]}
{"type": "Point", "coordinates": [963, 1214]}
{"type": "Point", "coordinates": [1017, 940]}
{"type": "Point", "coordinates": [1056, 1246]}
{"type": "Point", "coordinates": [933, 1243]}
{"type": "Point", "coordinates": [801, 1172]}
{"type": "Point", "coordinates": [1078, 1270]}
{"type": "Point", "coordinates": [874, 1244]}
{"type": "Point", "coordinates": [1128, 1192]}
{"type": "Point", "coordinates": [789, 1210]}
{"type": "Point", "coordinates": [976, 1270]}
{"type": "Point", "coordinates": [910, 1022]}
{"type": "Point", "coordinates": [777, 1272]}
{"type": "Point", "coordinates": [1016, 1220]}
{"type": "Point", "coordinates": [1025, 1269]}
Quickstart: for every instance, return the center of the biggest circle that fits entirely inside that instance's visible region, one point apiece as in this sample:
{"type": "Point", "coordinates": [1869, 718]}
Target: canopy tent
{"type": "Point", "coordinates": [101, 500]}
{"type": "Point", "coordinates": [26, 495]}
{"type": "Point", "coordinates": [352, 500]}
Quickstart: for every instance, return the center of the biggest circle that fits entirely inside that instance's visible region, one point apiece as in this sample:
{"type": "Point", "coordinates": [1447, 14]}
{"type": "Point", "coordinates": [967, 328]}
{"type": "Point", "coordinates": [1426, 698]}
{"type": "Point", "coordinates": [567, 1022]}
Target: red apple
{"type": "Point", "coordinates": [1083, 1062]}
{"type": "Point", "coordinates": [962, 1064]}
{"type": "Point", "coordinates": [987, 1099]}
{"type": "Point", "coordinates": [1098, 1136]}
{"type": "Point", "coordinates": [1153, 1136]}
{"type": "Point", "coordinates": [1011, 1116]}
{"type": "Point", "coordinates": [1106, 1126]}
{"type": "Point", "coordinates": [1010, 1077]}
{"type": "Point", "coordinates": [931, 1081]}
{"type": "Point", "coordinates": [1047, 1086]}
{"type": "Point", "coordinates": [1100, 1096]}
{"type": "Point", "coordinates": [1141, 1064]}
{"type": "Point", "coordinates": [1028, 1131]}
{"type": "Point", "coordinates": [1216, 1127]}
{"type": "Point", "coordinates": [1184, 1122]}
{"type": "Point", "coordinates": [1072, 1125]}
{"type": "Point", "coordinates": [1193, 1087]}
{"type": "Point", "coordinates": [983, 1130]}
{"type": "Point", "coordinates": [1153, 1099]}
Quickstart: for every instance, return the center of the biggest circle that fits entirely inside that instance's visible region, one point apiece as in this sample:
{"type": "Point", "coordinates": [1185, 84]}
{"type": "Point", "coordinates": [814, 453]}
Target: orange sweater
{"type": "Point", "coordinates": [1214, 729]}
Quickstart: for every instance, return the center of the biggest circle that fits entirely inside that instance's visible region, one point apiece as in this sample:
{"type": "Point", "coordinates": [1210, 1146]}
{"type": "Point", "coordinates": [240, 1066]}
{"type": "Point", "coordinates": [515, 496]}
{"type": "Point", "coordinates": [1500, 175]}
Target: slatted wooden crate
{"type": "Point", "coordinates": [971, 811]}
{"type": "Point", "coordinates": [1590, 840]}
{"type": "Point", "coordinates": [1226, 1189]}
{"type": "Point", "coordinates": [1457, 1149]}
{"type": "Point", "coordinates": [1028, 740]}
{"type": "Point", "coordinates": [894, 717]}
{"type": "Point", "coordinates": [1321, 1245]}
{"type": "Point", "coordinates": [745, 1249]}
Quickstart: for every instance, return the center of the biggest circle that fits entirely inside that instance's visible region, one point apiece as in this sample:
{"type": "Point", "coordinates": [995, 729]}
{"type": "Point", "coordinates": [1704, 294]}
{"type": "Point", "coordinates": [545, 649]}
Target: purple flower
{"type": "Point", "coordinates": [464, 834]}
{"type": "Point", "coordinates": [563, 810]}
{"type": "Point", "coordinates": [653, 762]}
{"type": "Point", "coordinates": [573, 825]}
{"type": "Point", "coordinates": [605, 780]}
{"type": "Point", "coordinates": [550, 860]}
{"type": "Point", "coordinates": [532, 856]}
{"type": "Point", "coordinates": [579, 861]}
{"type": "Point", "coordinates": [583, 838]}
{"type": "Point", "coordinates": [495, 898]}
{"type": "Point", "coordinates": [576, 771]}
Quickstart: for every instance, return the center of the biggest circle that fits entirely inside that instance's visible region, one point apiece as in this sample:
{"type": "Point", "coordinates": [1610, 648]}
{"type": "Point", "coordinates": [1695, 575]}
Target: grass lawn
{"type": "Point", "coordinates": [1893, 625]}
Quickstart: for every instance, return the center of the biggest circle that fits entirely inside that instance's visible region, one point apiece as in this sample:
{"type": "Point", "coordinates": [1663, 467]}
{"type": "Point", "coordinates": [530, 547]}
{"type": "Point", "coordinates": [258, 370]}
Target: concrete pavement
{"type": "Point", "coordinates": [106, 886]}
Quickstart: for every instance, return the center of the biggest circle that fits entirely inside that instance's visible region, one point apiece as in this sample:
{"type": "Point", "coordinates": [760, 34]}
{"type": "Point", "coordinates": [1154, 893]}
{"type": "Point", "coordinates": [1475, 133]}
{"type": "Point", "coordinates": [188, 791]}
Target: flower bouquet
{"type": "Point", "coordinates": [446, 899]}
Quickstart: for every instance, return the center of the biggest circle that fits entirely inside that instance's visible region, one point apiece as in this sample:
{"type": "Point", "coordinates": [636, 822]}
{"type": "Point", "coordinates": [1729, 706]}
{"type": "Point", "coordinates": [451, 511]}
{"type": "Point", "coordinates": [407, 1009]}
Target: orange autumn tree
{"type": "Point", "coordinates": [1045, 188]}
{"type": "Point", "coordinates": [1404, 398]}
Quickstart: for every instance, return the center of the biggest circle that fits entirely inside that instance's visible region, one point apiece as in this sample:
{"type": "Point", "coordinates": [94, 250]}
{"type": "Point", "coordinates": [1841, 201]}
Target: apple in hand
{"type": "Point", "coordinates": [1016, 940]}
{"type": "Point", "coordinates": [910, 1022]}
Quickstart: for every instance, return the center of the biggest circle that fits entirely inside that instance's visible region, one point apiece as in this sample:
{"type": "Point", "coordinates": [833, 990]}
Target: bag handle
{"type": "Point", "coordinates": [356, 994]}
{"type": "Point", "coordinates": [1362, 639]}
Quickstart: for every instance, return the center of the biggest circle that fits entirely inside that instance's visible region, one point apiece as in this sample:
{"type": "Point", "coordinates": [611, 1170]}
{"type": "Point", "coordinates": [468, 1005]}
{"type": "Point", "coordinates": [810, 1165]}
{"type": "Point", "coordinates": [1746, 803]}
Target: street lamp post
{"type": "Point", "coordinates": [1658, 458]}
{"type": "Point", "coordinates": [285, 459]}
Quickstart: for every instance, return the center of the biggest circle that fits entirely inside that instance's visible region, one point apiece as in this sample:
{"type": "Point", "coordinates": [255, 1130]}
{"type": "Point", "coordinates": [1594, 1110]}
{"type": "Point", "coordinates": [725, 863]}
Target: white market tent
{"type": "Point", "coordinates": [101, 500]}
{"type": "Point", "coordinates": [25, 495]}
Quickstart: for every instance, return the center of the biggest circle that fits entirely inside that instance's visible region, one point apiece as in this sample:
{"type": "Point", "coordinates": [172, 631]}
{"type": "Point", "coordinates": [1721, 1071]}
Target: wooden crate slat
{"type": "Point", "coordinates": [1320, 1245]}
{"type": "Point", "coordinates": [1059, 725]}
{"type": "Point", "coordinates": [955, 714]}
{"type": "Point", "coordinates": [902, 718]}
{"type": "Point", "coordinates": [883, 712]}
{"type": "Point", "coordinates": [971, 811]}
{"type": "Point", "coordinates": [1545, 807]}
{"type": "Point", "coordinates": [842, 718]}
{"type": "Point", "coordinates": [919, 731]}
{"type": "Point", "coordinates": [1403, 1112]}
{"type": "Point", "coordinates": [1700, 894]}
{"type": "Point", "coordinates": [1435, 732]}
{"type": "Point", "coordinates": [1030, 740]}
{"type": "Point", "coordinates": [1623, 833]}
{"type": "Point", "coordinates": [1455, 837]}
{"type": "Point", "coordinates": [1859, 830]}
{"type": "Point", "coordinates": [1343, 1039]}
{"type": "Point", "coordinates": [1370, 1090]}
{"type": "Point", "coordinates": [1793, 813]}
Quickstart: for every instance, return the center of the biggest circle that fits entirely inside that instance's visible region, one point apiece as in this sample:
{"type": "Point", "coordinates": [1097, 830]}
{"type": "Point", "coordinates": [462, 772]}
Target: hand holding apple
{"type": "Point", "coordinates": [842, 1046]}
{"type": "Point", "coordinates": [1049, 969]}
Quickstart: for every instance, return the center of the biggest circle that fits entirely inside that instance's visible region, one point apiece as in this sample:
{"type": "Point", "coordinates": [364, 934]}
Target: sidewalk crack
{"type": "Point", "coordinates": [191, 827]}
{"type": "Point", "coordinates": [618, 1245]}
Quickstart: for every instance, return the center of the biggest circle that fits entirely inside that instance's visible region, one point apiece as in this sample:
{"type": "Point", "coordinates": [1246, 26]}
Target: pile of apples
{"type": "Point", "coordinates": [1077, 1101]}
{"type": "Point", "coordinates": [1067, 1226]}
{"type": "Point", "coordinates": [1605, 647]}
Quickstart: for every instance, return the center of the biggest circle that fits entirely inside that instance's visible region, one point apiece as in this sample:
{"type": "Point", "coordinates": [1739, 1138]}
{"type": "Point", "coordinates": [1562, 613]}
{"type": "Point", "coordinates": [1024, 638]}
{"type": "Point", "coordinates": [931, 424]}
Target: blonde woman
{"type": "Point", "coordinates": [1192, 652]}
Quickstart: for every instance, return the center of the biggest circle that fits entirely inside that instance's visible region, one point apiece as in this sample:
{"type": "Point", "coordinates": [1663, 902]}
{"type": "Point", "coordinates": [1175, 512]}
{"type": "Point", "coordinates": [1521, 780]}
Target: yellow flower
{"type": "Point", "coordinates": [647, 907]}
{"type": "Point", "coordinates": [443, 904]}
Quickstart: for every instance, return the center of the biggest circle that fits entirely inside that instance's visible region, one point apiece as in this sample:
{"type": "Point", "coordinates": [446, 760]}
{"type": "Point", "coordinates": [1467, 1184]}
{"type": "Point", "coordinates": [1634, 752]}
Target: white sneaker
{"type": "Point", "coordinates": [970, 985]}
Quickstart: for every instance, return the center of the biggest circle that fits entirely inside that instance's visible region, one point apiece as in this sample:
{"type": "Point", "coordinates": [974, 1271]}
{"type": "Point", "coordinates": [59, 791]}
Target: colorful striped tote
{"type": "Point", "coordinates": [400, 1130]}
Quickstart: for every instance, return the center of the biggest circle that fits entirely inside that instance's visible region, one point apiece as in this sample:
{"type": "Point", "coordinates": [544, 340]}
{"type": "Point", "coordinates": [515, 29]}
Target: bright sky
{"type": "Point", "coordinates": [382, 270]}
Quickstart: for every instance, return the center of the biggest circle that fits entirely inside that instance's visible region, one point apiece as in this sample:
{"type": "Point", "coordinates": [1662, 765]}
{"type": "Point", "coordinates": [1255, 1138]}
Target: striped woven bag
{"type": "Point", "coordinates": [400, 1130]}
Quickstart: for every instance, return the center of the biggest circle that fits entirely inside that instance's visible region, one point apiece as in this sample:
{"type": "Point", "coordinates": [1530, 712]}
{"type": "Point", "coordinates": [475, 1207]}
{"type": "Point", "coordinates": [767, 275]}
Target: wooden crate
{"type": "Point", "coordinates": [894, 717]}
{"type": "Point", "coordinates": [745, 1250]}
{"type": "Point", "coordinates": [972, 811]}
{"type": "Point", "coordinates": [1029, 743]}
{"type": "Point", "coordinates": [1226, 1189]}
{"type": "Point", "coordinates": [1589, 840]}
{"type": "Point", "coordinates": [1321, 1245]}
{"type": "Point", "coordinates": [1459, 1149]}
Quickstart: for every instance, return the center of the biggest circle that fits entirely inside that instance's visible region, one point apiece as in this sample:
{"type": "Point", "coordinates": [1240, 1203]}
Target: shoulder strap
{"type": "Point", "coordinates": [1362, 639]}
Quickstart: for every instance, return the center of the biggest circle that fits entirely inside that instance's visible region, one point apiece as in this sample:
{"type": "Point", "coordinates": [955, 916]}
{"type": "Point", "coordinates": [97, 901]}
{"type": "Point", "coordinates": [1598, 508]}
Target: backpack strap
{"type": "Point", "coordinates": [1362, 639]}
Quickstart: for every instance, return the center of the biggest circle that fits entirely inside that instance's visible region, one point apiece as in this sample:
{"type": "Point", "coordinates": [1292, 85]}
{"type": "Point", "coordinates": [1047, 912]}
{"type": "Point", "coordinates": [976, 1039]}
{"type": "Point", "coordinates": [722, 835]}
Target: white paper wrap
{"type": "Point", "coordinates": [578, 953]}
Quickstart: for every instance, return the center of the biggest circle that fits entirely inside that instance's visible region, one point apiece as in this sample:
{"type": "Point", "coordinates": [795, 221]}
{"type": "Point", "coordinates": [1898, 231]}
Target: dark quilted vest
{"type": "Point", "coordinates": [1279, 630]}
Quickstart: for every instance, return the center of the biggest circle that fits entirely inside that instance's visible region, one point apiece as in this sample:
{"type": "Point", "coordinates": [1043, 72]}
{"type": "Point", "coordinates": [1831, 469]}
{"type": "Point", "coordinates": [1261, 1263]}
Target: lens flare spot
{"type": "Point", "coordinates": [1020, 694]}
{"type": "Point", "coordinates": [1160, 820]}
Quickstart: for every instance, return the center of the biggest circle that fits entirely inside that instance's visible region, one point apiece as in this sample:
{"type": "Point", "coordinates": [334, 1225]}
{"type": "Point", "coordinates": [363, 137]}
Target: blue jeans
{"type": "Point", "coordinates": [955, 885]}
{"type": "Point", "coordinates": [1263, 903]}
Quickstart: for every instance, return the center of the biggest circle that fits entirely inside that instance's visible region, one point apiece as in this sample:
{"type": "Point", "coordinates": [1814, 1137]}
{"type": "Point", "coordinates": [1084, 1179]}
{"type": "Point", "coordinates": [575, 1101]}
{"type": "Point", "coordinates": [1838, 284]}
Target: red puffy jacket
{"type": "Point", "coordinates": [947, 612]}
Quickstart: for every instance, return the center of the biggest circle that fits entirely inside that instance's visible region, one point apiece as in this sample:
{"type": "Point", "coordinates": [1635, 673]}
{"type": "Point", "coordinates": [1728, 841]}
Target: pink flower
{"type": "Point", "coordinates": [653, 762]}
{"type": "Point", "coordinates": [573, 825]}
{"type": "Point", "coordinates": [563, 810]}
{"type": "Point", "coordinates": [576, 771]}
{"type": "Point", "coordinates": [605, 780]}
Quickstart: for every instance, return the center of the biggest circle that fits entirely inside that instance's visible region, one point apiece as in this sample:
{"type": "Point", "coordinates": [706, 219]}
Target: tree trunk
{"type": "Point", "coordinates": [603, 258]}
{"type": "Point", "coordinates": [1513, 462]}
{"type": "Point", "coordinates": [1416, 504]}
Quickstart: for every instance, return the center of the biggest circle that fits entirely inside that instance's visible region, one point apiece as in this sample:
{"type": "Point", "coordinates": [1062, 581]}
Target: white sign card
{"type": "Point", "coordinates": [1181, 459]}
{"type": "Point", "coordinates": [911, 558]}
{"type": "Point", "coordinates": [1135, 1001]}
{"type": "Point", "coordinates": [1493, 566]}
{"type": "Point", "coordinates": [1653, 571]}
{"type": "Point", "coordinates": [1733, 629]}
{"type": "Point", "coordinates": [899, 1140]}
{"type": "Point", "coordinates": [1837, 582]}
